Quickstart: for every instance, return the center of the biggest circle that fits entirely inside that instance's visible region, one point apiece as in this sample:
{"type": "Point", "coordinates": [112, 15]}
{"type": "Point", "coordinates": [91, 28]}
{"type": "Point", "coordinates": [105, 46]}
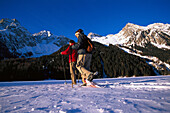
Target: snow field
{"type": "Point", "coordinates": [116, 95]}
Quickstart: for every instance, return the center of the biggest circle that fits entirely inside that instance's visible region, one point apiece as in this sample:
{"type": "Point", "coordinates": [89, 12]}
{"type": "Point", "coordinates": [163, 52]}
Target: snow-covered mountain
{"type": "Point", "coordinates": [157, 34]}
{"type": "Point", "coordinates": [132, 37]}
{"type": "Point", "coordinates": [19, 42]}
{"type": "Point", "coordinates": [46, 44]}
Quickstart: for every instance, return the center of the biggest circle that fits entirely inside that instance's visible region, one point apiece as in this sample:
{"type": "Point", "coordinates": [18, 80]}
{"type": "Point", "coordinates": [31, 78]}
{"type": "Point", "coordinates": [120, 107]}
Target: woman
{"type": "Point", "coordinates": [72, 60]}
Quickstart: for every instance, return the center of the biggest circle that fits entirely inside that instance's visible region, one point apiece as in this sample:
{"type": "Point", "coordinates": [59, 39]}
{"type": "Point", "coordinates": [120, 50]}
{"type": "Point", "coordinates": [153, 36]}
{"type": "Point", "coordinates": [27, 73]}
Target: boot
{"type": "Point", "coordinates": [84, 84]}
{"type": "Point", "coordinates": [90, 77]}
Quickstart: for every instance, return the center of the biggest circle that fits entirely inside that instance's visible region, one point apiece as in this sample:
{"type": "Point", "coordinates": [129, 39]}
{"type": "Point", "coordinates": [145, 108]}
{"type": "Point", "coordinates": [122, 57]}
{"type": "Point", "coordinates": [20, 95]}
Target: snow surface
{"type": "Point", "coordinates": [116, 95]}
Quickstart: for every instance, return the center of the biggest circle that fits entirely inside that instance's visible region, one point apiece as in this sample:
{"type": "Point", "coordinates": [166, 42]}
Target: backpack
{"type": "Point", "coordinates": [90, 45]}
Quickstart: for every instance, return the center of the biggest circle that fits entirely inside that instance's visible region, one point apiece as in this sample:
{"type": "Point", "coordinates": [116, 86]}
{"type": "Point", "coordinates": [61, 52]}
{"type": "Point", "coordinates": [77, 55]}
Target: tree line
{"type": "Point", "coordinates": [107, 60]}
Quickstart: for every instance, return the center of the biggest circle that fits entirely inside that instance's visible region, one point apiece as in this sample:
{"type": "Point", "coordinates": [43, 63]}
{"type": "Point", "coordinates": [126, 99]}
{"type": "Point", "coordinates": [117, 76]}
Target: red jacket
{"type": "Point", "coordinates": [72, 55]}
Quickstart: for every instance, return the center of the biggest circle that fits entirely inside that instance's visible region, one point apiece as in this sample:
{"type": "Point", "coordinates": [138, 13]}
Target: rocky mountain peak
{"type": "Point", "coordinates": [17, 40]}
{"type": "Point", "coordinates": [133, 27]}
{"type": "Point", "coordinates": [92, 35]}
{"type": "Point", "coordinates": [8, 23]}
{"type": "Point", "coordinates": [157, 25]}
{"type": "Point", "coordinates": [7, 20]}
{"type": "Point", "coordinates": [43, 33]}
{"type": "Point", "coordinates": [157, 33]}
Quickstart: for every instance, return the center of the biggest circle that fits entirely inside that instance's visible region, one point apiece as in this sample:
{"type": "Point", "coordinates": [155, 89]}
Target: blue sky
{"type": "Point", "coordinates": [64, 17]}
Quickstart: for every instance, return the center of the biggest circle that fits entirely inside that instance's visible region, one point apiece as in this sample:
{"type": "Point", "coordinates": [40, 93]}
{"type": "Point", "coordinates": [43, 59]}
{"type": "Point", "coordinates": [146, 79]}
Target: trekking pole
{"type": "Point", "coordinates": [64, 69]}
{"type": "Point", "coordinates": [71, 66]}
{"type": "Point", "coordinates": [71, 75]}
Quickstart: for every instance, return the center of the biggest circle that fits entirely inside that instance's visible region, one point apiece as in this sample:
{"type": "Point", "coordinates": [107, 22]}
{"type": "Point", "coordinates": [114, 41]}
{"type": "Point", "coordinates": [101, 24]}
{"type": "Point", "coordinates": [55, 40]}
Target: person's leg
{"type": "Point", "coordinates": [83, 80]}
{"type": "Point", "coordinates": [79, 65]}
{"type": "Point", "coordinates": [83, 65]}
{"type": "Point", "coordinates": [72, 71]}
{"type": "Point", "coordinates": [87, 64]}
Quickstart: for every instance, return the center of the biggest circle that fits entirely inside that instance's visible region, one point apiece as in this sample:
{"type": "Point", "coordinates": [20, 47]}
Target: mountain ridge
{"type": "Point", "coordinates": [151, 42]}
{"type": "Point", "coordinates": [21, 43]}
{"type": "Point", "coordinates": [132, 34]}
{"type": "Point", "coordinates": [118, 59]}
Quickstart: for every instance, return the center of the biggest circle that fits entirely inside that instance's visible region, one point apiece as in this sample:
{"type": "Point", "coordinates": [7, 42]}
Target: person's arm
{"type": "Point", "coordinates": [79, 43]}
{"type": "Point", "coordinates": [66, 52]}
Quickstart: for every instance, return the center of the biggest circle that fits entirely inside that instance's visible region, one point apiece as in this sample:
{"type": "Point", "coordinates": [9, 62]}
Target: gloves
{"type": "Point", "coordinates": [59, 53]}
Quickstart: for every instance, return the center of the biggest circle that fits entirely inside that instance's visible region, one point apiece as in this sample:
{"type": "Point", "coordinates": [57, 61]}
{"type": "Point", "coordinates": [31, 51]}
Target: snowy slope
{"type": "Point", "coordinates": [120, 95]}
{"type": "Point", "coordinates": [39, 50]}
{"type": "Point", "coordinates": [46, 44]}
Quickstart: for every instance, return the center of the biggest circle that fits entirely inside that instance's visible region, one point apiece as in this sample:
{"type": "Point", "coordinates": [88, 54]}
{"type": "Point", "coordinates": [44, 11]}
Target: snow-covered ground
{"type": "Point", "coordinates": [116, 95]}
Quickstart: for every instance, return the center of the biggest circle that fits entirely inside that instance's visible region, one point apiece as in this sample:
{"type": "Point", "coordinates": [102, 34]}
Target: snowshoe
{"type": "Point", "coordinates": [91, 76]}
{"type": "Point", "coordinates": [92, 84]}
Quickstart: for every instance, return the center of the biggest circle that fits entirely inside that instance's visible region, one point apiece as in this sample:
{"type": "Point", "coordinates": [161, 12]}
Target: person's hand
{"type": "Point", "coordinates": [59, 53]}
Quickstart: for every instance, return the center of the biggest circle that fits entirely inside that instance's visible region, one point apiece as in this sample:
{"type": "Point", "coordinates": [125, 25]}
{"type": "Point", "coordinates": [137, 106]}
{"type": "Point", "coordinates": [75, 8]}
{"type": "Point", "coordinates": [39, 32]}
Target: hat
{"type": "Point", "coordinates": [71, 41]}
{"type": "Point", "coordinates": [80, 31]}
